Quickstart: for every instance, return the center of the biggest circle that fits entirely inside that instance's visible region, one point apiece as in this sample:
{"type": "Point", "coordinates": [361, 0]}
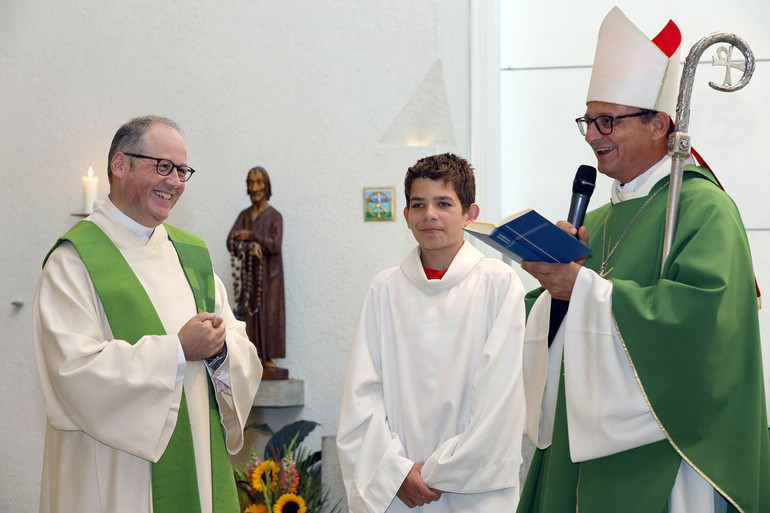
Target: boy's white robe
{"type": "Point", "coordinates": [435, 375]}
{"type": "Point", "coordinates": [112, 406]}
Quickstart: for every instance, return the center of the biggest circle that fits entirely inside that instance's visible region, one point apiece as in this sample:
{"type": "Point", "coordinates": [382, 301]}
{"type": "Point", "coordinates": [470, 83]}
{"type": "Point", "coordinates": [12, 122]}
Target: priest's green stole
{"type": "Point", "coordinates": [132, 315]}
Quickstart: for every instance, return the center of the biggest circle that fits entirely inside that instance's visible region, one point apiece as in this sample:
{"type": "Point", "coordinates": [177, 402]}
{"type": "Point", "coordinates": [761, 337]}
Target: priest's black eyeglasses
{"type": "Point", "coordinates": [165, 166]}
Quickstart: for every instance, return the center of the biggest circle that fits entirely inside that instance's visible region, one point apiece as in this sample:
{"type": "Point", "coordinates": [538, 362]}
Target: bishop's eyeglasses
{"type": "Point", "coordinates": [165, 166]}
{"type": "Point", "coordinates": [604, 123]}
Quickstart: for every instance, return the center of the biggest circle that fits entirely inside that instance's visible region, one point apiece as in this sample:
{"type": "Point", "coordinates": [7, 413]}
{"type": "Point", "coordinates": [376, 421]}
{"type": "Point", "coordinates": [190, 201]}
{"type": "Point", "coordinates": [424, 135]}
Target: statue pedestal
{"type": "Point", "coordinates": [281, 393]}
{"type": "Point", "coordinates": [271, 406]}
{"type": "Point", "coordinates": [331, 474]}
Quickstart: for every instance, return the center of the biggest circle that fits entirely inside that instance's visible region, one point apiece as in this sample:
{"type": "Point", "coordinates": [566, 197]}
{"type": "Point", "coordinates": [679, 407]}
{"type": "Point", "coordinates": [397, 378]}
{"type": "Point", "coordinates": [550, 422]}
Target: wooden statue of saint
{"type": "Point", "coordinates": [254, 243]}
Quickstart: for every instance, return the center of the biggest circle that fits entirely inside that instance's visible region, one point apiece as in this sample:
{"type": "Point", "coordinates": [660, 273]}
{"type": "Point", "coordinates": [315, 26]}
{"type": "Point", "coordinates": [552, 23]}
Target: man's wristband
{"type": "Point", "coordinates": [216, 361]}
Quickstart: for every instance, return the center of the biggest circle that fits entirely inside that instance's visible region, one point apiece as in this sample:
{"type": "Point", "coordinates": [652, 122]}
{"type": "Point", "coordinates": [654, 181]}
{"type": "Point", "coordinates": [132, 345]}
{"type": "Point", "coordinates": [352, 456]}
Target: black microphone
{"type": "Point", "coordinates": [582, 187]}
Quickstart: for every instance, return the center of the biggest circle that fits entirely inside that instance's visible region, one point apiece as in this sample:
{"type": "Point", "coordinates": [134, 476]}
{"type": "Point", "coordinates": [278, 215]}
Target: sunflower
{"type": "Point", "coordinates": [256, 508]}
{"type": "Point", "coordinates": [259, 473]}
{"type": "Point", "coordinates": [290, 503]}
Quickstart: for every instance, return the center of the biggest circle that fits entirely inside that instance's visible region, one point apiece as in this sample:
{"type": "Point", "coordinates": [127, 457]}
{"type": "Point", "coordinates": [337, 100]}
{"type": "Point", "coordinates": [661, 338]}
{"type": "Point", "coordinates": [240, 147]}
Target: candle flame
{"type": "Point", "coordinates": [90, 172]}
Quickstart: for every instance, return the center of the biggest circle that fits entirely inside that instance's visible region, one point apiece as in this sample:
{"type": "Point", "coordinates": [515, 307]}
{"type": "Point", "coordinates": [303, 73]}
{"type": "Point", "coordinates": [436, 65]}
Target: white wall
{"type": "Point", "coordinates": [305, 88]}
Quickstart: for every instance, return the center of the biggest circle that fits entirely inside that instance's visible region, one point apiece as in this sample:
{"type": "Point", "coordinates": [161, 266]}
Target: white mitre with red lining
{"type": "Point", "coordinates": [630, 69]}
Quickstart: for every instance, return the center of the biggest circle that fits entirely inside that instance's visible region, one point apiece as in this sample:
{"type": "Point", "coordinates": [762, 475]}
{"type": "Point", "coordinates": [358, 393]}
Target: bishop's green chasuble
{"type": "Point", "coordinates": [131, 316]}
{"type": "Point", "coordinates": [692, 337]}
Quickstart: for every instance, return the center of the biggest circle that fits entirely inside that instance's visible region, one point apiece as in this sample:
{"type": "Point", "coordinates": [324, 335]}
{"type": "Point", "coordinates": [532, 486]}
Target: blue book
{"type": "Point", "coordinates": [529, 236]}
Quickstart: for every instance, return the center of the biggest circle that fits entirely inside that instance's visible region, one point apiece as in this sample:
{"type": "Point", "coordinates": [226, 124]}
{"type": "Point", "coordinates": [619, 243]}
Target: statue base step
{"type": "Point", "coordinates": [280, 393]}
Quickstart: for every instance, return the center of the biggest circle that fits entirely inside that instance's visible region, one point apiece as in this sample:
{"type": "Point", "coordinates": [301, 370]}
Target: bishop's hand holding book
{"type": "Point", "coordinates": [529, 236]}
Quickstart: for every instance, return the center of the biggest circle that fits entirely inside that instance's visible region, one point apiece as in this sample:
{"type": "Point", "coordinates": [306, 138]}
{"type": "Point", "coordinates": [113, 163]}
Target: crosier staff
{"type": "Point", "coordinates": [679, 142]}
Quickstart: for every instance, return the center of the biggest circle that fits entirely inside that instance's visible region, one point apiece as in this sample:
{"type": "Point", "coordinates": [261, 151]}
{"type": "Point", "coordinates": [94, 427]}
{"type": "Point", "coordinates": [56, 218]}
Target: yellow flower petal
{"type": "Point", "coordinates": [257, 476]}
{"type": "Point", "coordinates": [290, 503]}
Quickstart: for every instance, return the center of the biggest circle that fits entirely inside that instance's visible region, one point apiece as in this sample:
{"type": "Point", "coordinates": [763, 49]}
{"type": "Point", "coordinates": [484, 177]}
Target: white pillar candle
{"type": "Point", "coordinates": [90, 190]}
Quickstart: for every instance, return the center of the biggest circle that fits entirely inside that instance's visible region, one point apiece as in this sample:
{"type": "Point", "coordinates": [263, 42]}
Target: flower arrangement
{"type": "Point", "coordinates": [287, 479]}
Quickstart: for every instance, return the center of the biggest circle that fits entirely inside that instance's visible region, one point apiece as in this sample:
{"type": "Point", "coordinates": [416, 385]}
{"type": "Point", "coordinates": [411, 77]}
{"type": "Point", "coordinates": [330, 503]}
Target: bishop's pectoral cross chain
{"type": "Point", "coordinates": [606, 242]}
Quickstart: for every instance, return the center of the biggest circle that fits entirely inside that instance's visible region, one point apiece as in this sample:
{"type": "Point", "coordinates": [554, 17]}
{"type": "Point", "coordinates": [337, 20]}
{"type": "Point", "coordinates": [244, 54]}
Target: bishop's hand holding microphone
{"type": "Point", "coordinates": [582, 187]}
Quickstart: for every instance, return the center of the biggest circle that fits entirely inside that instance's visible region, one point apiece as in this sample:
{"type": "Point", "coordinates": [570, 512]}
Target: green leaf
{"type": "Point", "coordinates": [288, 436]}
{"type": "Point", "coordinates": [264, 428]}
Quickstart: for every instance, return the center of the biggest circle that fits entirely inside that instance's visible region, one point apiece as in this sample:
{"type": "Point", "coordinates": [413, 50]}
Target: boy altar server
{"type": "Point", "coordinates": [433, 404]}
